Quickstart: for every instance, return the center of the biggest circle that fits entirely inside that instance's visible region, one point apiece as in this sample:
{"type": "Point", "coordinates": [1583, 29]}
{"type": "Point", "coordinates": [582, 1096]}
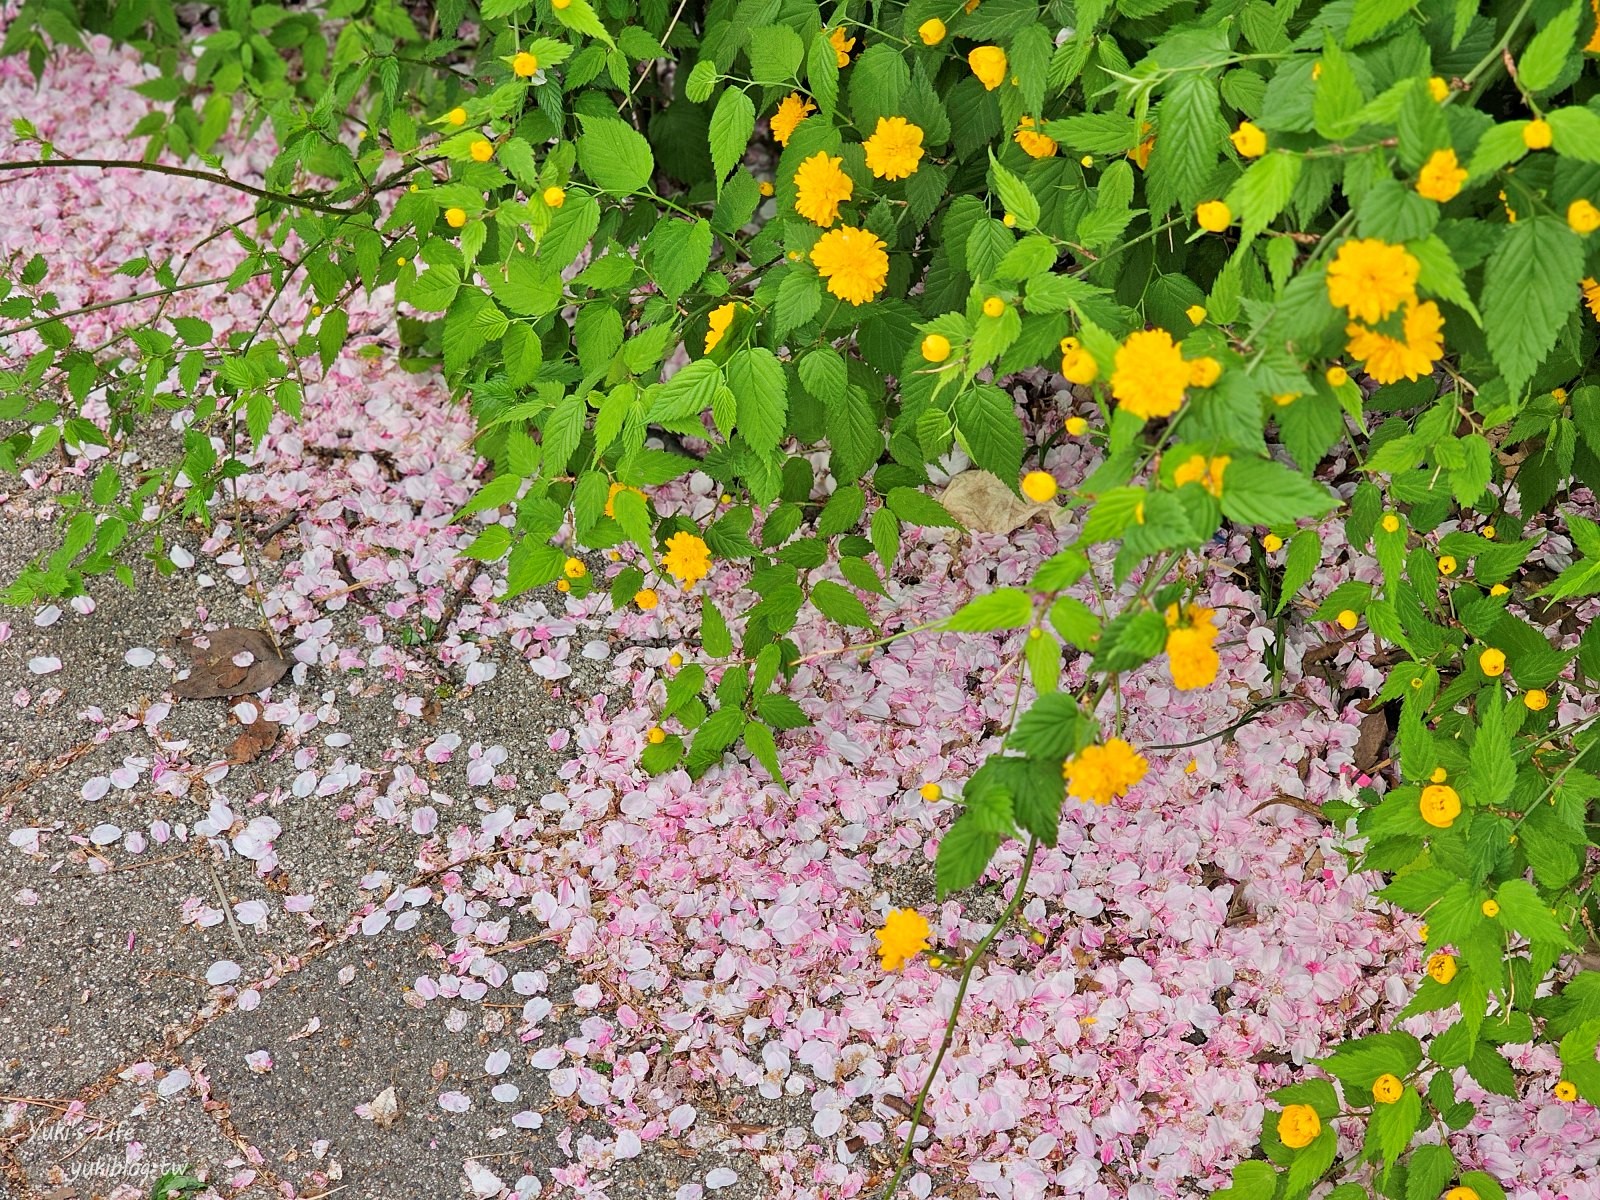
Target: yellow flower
{"type": "Point", "coordinates": [904, 936]}
{"type": "Point", "coordinates": [1440, 805]}
{"type": "Point", "coordinates": [894, 149]}
{"type": "Point", "coordinates": [524, 65]}
{"type": "Point", "coordinates": [1196, 313]}
{"type": "Point", "coordinates": [1077, 364]}
{"type": "Point", "coordinates": [931, 792]}
{"type": "Point", "coordinates": [1348, 619]}
{"type": "Point", "coordinates": [1284, 399]}
{"type": "Point", "coordinates": [1386, 1089]}
{"type": "Point", "coordinates": [1140, 154]}
{"type": "Point", "coordinates": [1249, 140]}
{"type": "Point", "coordinates": [1461, 1193]}
{"type": "Point", "coordinates": [1391, 523]}
{"type": "Point", "coordinates": [1337, 376]}
{"type": "Point", "coordinates": [1536, 699]}
{"type": "Point", "coordinates": [616, 490]}
{"type": "Point", "coordinates": [1039, 486]}
{"type": "Point", "coordinates": [1438, 89]}
{"type": "Point", "coordinates": [1034, 144]}
{"type": "Point", "coordinates": [793, 109]}
{"type": "Point", "coordinates": [1492, 662]}
{"type": "Point", "coordinates": [1447, 564]}
{"type": "Point", "coordinates": [674, 660]}
{"type": "Point", "coordinates": [646, 598]}
{"type": "Point", "coordinates": [1103, 773]}
{"type": "Point", "coordinates": [935, 348]}
{"type": "Point", "coordinates": [1591, 297]}
{"type": "Point", "coordinates": [842, 45]}
{"type": "Point", "coordinates": [1566, 1091]}
{"type": "Point", "coordinates": [721, 318]}
{"type": "Point", "coordinates": [1214, 216]}
{"type": "Point", "coordinates": [1488, 530]}
{"type": "Point", "coordinates": [1370, 278]}
{"type": "Point", "coordinates": [765, 188]}
{"type": "Point", "coordinates": [481, 150]}
{"type": "Point", "coordinates": [573, 568]}
{"type": "Point", "coordinates": [455, 217]}
{"type": "Point", "coordinates": [1272, 543]}
{"type": "Point", "coordinates": [1191, 652]}
{"type": "Point", "coordinates": [1441, 177]}
{"type": "Point", "coordinates": [656, 736]}
{"type": "Point", "coordinates": [1537, 134]}
{"type": "Point", "coordinates": [1490, 909]}
{"type": "Point", "coordinates": [1442, 968]}
{"type": "Point", "coordinates": [931, 31]}
{"type": "Point", "coordinates": [820, 187]}
{"type": "Point", "coordinates": [560, 5]}
{"type": "Point", "coordinates": [1009, 220]}
{"type": "Point", "coordinates": [1387, 359]}
{"type": "Point", "coordinates": [1086, 161]}
{"type": "Point", "coordinates": [988, 63]}
{"type": "Point", "coordinates": [1206, 472]}
{"type": "Point", "coordinates": [1499, 589]}
{"type": "Point", "coordinates": [1077, 426]}
{"type": "Point", "coordinates": [555, 197]}
{"type": "Point", "coordinates": [687, 558]}
{"type": "Point", "coordinates": [1439, 775]}
{"type": "Point", "coordinates": [853, 262]}
{"type": "Point", "coordinates": [456, 116]}
{"type": "Point", "coordinates": [1150, 374]}
{"type": "Point", "coordinates": [1583, 217]}
{"type": "Point", "coordinates": [1204, 371]}
{"type": "Point", "coordinates": [1298, 1126]}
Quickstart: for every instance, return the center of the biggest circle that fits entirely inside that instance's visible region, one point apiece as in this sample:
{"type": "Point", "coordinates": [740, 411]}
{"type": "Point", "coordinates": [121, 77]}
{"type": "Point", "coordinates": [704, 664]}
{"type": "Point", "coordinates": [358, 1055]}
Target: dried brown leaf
{"type": "Point", "coordinates": [229, 662]}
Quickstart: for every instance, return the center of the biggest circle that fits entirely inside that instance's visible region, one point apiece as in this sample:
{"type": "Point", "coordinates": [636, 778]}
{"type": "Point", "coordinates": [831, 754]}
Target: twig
{"type": "Point", "coordinates": [108, 164]}
{"type": "Point", "coordinates": [227, 909]}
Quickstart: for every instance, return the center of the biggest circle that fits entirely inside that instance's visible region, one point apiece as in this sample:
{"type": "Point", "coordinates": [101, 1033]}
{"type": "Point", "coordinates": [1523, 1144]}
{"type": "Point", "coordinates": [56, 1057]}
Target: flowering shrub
{"type": "Point", "coordinates": [754, 239]}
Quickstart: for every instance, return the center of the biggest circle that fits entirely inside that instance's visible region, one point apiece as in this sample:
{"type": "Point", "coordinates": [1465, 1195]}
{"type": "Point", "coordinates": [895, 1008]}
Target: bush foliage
{"type": "Point", "coordinates": [1257, 234]}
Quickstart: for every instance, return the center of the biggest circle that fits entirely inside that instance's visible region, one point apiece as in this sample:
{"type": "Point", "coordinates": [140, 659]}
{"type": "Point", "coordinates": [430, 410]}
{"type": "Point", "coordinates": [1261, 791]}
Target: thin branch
{"type": "Point", "coordinates": [108, 164]}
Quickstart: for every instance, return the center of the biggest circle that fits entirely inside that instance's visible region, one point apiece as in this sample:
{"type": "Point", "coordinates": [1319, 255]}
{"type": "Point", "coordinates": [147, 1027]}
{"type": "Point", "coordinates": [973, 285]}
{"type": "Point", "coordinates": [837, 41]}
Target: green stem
{"type": "Point", "coordinates": [955, 1015]}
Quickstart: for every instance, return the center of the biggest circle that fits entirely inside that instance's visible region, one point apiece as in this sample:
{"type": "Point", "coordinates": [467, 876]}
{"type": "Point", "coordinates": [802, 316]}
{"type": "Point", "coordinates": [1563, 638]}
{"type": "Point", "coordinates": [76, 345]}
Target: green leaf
{"type": "Point", "coordinates": [1259, 491]}
{"type": "Point", "coordinates": [678, 253]}
{"type": "Point", "coordinates": [1494, 774]}
{"type": "Point", "coordinates": [714, 635]}
{"type": "Point", "coordinates": [1053, 727]}
{"type": "Point", "coordinates": [1186, 153]}
{"type": "Point", "coordinates": [1530, 285]}
{"type": "Point", "coordinates": [731, 126]}
{"type": "Point", "coordinates": [1014, 195]}
{"type": "Point", "coordinates": [1373, 17]}
{"type": "Point", "coordinates": [986, 418]}
{"type": "Point", "coordinates": [917, 508]}
{"type": "Point", "coordinates": [1546, 53]}
{"type": "Point", "coordinates": [1301, 562]}
{"type": "Point", "coordinates": [613, 154]}
{"type": "Point", "coordinates": [1361, 1060]}
{"type": "Point", "coordinates": [822, 73]}
{"type": "Point", "coordinates": [838, 603]}
{"type": "Point", "coordinates": [765, 748]}
{"type": "Point", "coordinates": [1522, 908]}
{"type": "Point", "coordinates": [964, 853]}
{"type": "Point", "coordinates": [1264, 191]}
{"type": "Point", "coordinates": [578, 16]}
{"type": "Point", "coordinates": [1004, 608]}
{"type": "Point", "coordinates": [1036, 788]}
{"type": "Point", "coordinates": [757, 380]}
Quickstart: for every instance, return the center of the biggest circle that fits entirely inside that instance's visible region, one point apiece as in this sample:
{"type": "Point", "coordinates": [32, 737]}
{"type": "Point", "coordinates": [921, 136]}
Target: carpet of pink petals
{"type": "Point", "coordinates": [726, 925]}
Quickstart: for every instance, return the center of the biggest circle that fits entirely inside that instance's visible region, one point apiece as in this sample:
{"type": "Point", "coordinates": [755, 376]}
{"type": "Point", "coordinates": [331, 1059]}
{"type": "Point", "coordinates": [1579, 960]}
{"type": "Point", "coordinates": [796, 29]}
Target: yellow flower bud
{"type": "Point", "coordinates": [931, 792]}
{"type": "Point", "coordinates": [1213, 216]}
{"type": "Point", "coordinates": [1537, 134]}
{"type": "Point", "coordinates": [935, 348]}
{"type": "Point", "coordinates": [1272, 543]}
{"type": "Point", "coordinates": [931, 31]}
{"type": "Point", "coordinates": [455, 217]}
